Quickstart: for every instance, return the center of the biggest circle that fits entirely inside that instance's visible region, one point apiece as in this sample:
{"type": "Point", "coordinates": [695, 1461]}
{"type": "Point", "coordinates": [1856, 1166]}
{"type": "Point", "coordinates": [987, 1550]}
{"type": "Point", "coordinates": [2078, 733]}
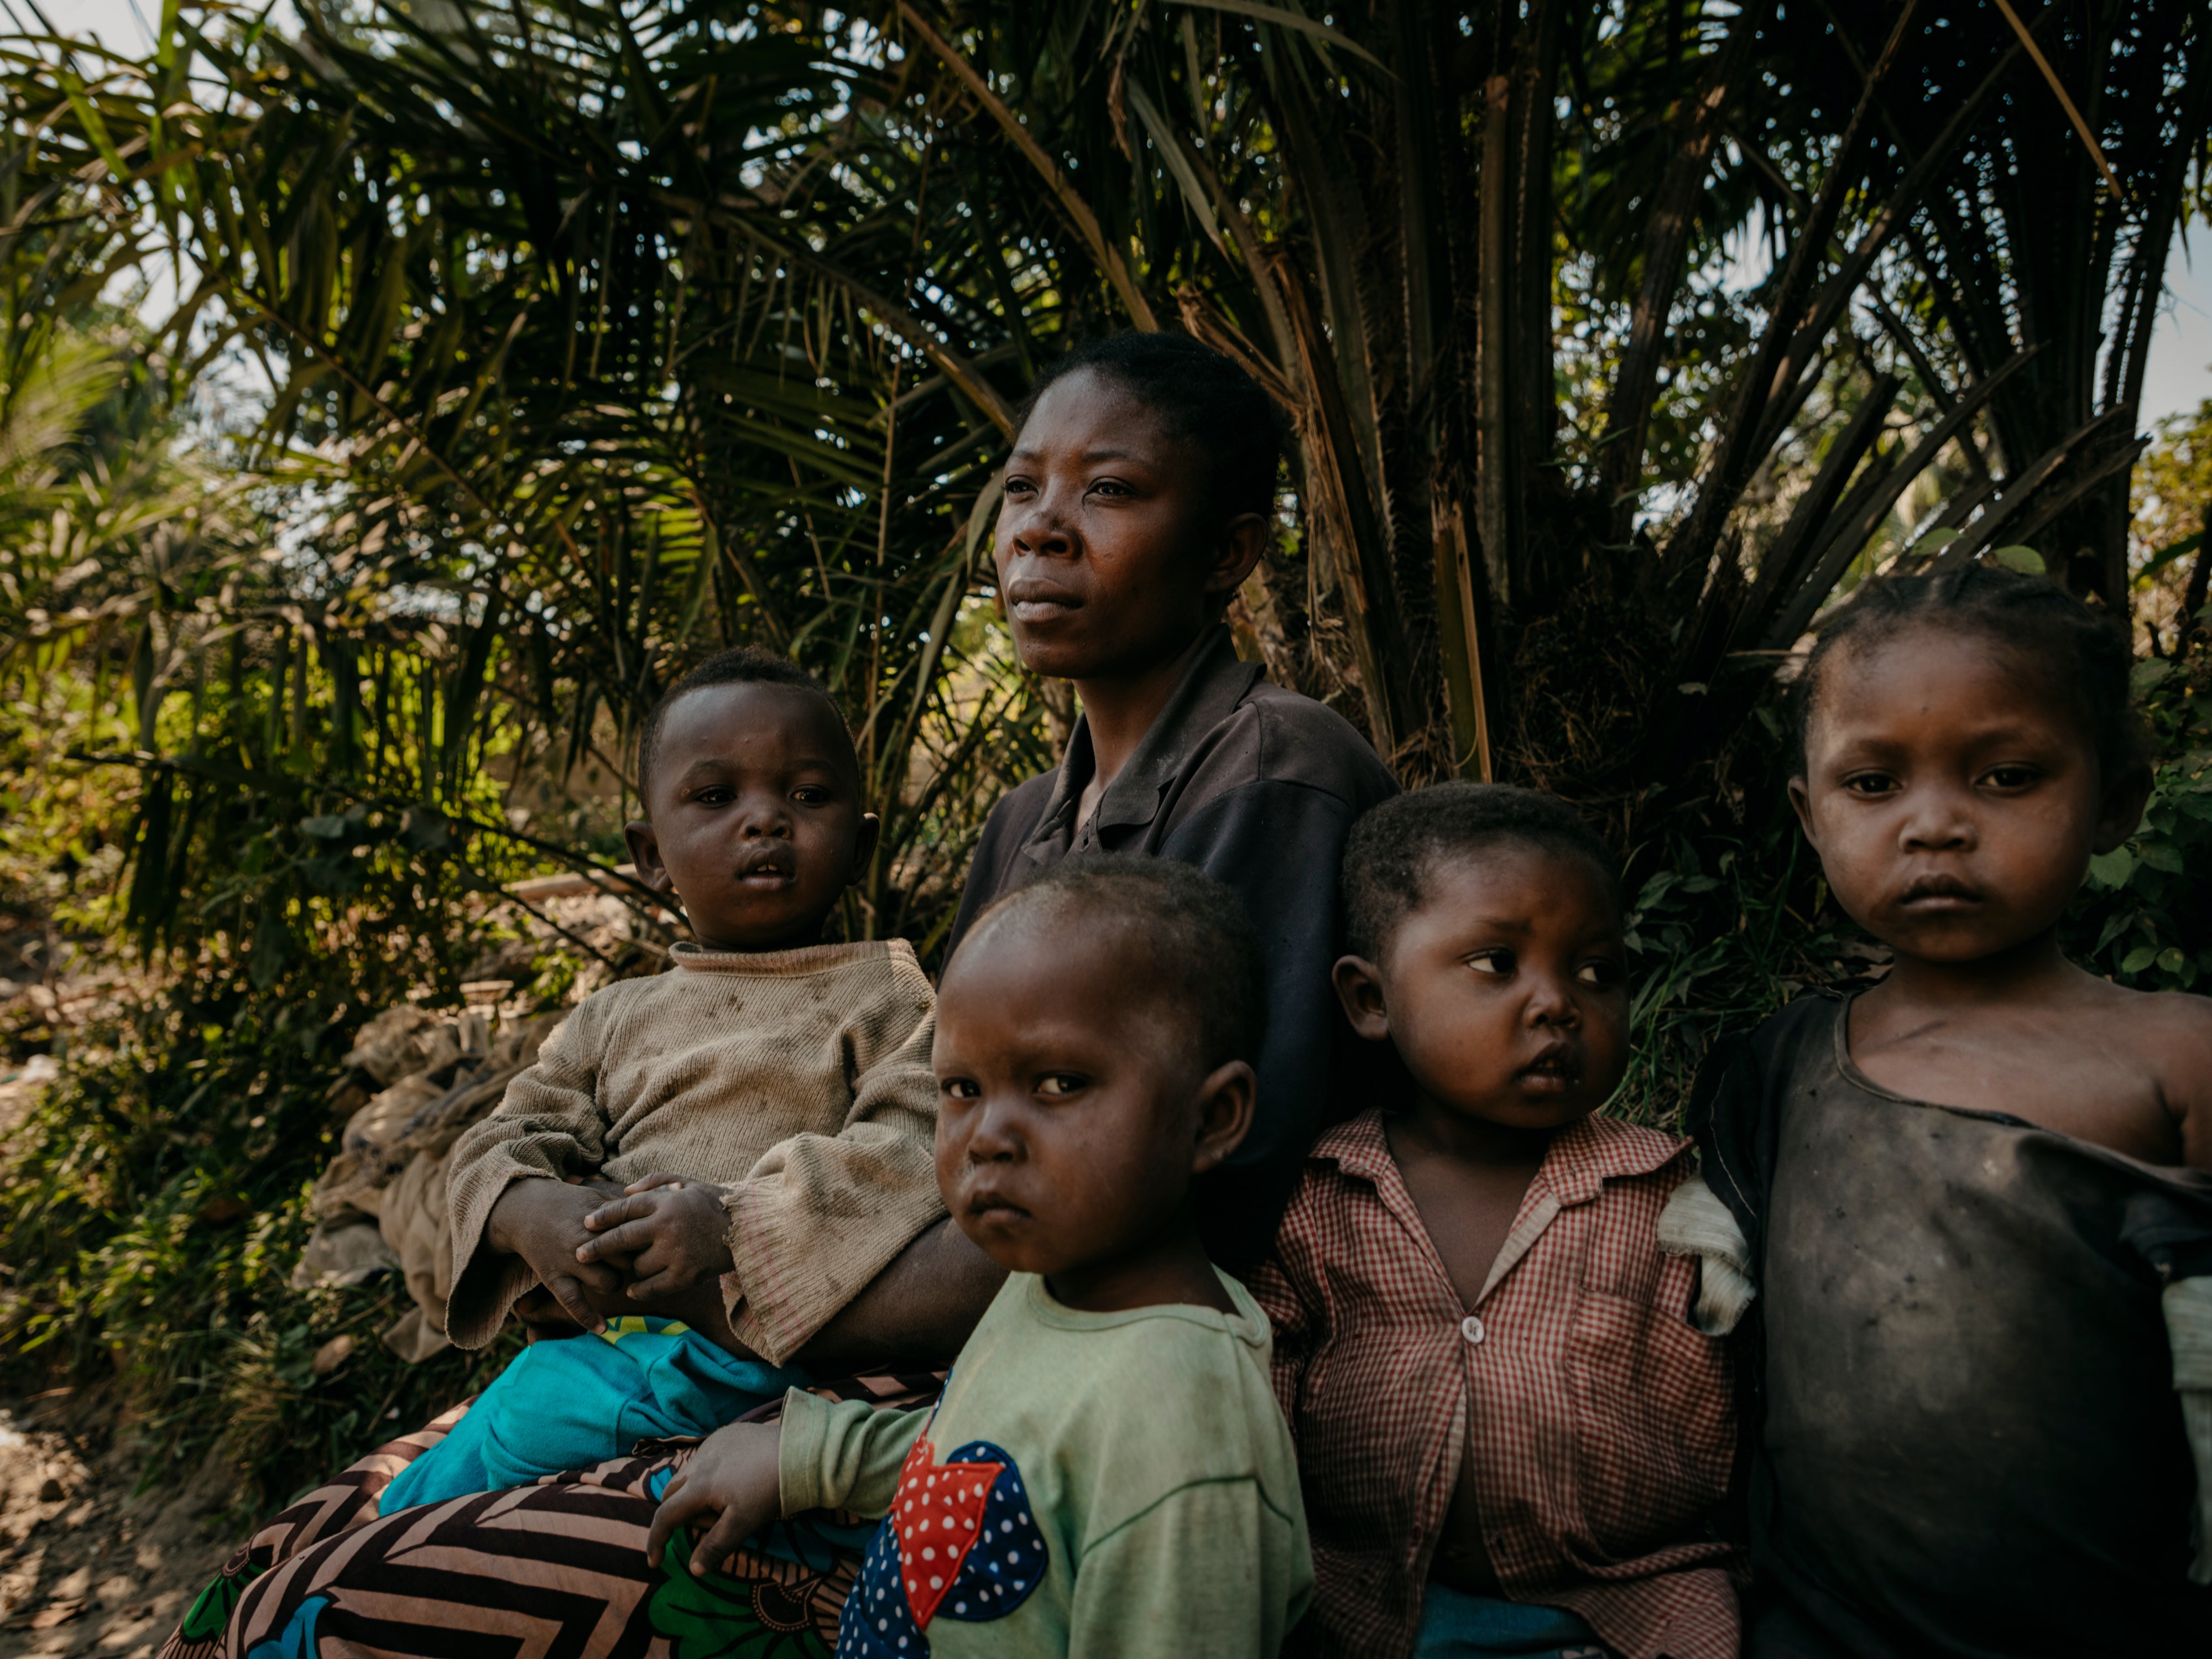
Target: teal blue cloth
{"type": "Point", "coordinates": [582, 1399]}
{"type": "Point", "coordinates": [1459, 1626]}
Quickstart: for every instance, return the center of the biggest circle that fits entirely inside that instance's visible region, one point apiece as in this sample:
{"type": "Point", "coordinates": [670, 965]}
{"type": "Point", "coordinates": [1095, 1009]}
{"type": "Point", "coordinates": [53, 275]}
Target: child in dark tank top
{"type": "Point", "coordinates": [1966, 1205]}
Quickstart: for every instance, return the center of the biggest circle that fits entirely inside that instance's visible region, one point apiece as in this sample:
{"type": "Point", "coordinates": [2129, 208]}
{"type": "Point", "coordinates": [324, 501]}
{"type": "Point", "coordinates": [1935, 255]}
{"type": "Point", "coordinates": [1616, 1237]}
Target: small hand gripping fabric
{"type": "Point", "coordinates": [960, 1541]}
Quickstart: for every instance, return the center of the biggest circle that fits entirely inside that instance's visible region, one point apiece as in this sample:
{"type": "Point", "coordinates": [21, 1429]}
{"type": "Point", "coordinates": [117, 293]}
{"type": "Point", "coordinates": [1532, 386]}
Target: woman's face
{"type": "Point", "coordinates": [1111, 558]}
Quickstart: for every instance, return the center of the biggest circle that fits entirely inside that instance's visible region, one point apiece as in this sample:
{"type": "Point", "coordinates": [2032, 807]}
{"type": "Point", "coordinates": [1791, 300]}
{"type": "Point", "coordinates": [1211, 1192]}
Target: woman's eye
{"type": "Point", "coordinates": [1018, 487]}
{"type": "Point", "coordinates": [1491, 962]}
{"type": "Point", "coordinates": [1599, 975]}
{"type": "Point", "coordinates": [1058, 1085]}
{"type": "Point", "coordinates": [1110, 487]}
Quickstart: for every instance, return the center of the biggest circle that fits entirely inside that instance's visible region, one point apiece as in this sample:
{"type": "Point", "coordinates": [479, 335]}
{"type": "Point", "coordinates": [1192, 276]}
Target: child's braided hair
{"type": "Point", "coordinates": [2030, 616]}
{"type": "Point", "coordinates": [1201, 398]}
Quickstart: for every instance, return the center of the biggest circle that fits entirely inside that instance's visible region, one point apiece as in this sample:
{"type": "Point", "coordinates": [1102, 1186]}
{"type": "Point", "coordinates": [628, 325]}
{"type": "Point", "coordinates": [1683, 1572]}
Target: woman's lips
{"type": "Point", "coordinates": [1037, 602]}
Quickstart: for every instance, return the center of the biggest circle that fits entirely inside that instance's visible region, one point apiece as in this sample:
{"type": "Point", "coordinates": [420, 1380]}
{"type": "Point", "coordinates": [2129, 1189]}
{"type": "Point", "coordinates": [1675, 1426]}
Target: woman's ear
{"type": "Point", "coordinates": [1225, 1113]}
{"type": "Point", "coordinates": [2119, 815]}
{"type": "Point", "coordinates": [1244, 541]}
{"type": "Point", "coordinates": [1359, 992]}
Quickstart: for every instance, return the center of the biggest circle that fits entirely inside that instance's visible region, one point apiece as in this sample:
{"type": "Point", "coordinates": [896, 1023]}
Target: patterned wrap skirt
{"type": "Point", "coordinates": [557, 1569]}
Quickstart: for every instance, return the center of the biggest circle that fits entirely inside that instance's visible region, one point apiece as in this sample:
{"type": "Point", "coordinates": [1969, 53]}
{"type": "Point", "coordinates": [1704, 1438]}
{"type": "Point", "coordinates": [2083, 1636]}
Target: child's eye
{"type": "Point", "coordinates": [1599, 975]}
{"type": "Point", "coordinates": [1059, 1085]}
{"type": "Point", "coordinates": [1870, 783]}
{"type": "Point", "coordinates": [1491, 962]}
{"type": "Point", "coordinates": [715, 795]}
{"type": "Point", "coordinates": [2009, 777]}
{"type": "Point", "coordinates": [960, 1088]}
{"type": "Point", "coordinates": [811, 795]}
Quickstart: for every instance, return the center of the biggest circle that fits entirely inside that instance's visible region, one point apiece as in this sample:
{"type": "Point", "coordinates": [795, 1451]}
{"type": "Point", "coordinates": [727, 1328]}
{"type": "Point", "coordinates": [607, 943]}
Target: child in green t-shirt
{"type": "Point", "coordinates": [1107, 1471]}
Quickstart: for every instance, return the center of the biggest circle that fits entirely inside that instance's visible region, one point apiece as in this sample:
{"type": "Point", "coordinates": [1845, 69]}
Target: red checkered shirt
{"type": "Point", "coordinates": [1602, 1426]}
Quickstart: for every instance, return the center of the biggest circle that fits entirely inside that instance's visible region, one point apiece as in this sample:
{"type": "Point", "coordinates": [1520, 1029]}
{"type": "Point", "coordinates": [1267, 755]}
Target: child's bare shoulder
{"type": "Point", "coordinates": [2171, 1031]}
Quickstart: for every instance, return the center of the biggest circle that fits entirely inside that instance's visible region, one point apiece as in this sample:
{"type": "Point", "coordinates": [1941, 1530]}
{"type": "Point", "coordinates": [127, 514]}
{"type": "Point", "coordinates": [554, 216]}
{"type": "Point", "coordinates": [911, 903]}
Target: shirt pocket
{"type": "Point", "coordinates": [1655, 1425]}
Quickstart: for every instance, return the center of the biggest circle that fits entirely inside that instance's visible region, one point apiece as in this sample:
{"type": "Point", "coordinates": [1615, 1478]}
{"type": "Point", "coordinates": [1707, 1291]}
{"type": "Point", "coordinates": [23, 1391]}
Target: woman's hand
{"type": "Point", "coordinates": [674, 1233]}
{"type": "Point", "coordinates": [733, 1474]}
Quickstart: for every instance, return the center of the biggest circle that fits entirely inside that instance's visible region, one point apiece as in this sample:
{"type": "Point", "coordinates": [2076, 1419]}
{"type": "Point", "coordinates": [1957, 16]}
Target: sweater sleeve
{"type": "Point", "coordinates": [549, 1126]}
{"type": "Point", "coordinates": [1213, 1568]}
{"type": "Point", "coordinates": [842, 1454]}
{"type": "Point", "coordinates": [820, 1216]}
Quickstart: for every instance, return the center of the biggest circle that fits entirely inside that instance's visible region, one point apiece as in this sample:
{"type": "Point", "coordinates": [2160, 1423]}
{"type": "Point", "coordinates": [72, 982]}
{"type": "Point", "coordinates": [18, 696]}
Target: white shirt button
{"type": "Point", "coordinates": [1471, 1328]}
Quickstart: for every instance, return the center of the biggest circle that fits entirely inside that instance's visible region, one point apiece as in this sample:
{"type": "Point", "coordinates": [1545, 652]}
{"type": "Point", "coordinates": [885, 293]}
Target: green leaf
{"type": "Point", "coordinates": [2112, 869]}
{"type": "Point", "coordinates": [329, 826]}
{"type": "Point", "coordinates": [2160, 856]}
{"type": "Point", "coordinates": [2026, 560]}
{"type": "Point", "coordinates": [1284, 18]}
{"type": "Point", "coordinates": [2171, 960]}
{"type": "Point", "coordinates": [2146, 675]}
{"type": "Point", "coordinates": [2166, 555]}
{"type": "Point", "coordinates": [2139, 959]}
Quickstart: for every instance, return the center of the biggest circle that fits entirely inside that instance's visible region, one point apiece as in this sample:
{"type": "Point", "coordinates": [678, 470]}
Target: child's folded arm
{"type": "Point", "coordinates": [842, 1454]}
{"type": "Point", "coordinates": [1208, 1568]}
{"type": "Point", "coordinates": [549, 1124]}
{"type": "Point", "coordinates": [819, 1216]}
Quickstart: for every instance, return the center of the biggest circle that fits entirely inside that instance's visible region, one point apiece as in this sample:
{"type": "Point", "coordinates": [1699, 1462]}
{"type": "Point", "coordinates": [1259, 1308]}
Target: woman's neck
{"type": "Point", "coordinates": [1121, 709]}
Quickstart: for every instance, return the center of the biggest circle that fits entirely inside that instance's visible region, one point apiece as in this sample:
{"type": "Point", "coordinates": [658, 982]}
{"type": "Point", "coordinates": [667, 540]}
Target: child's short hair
{"type": "Point", "coordinates": [1205, 951]}
{"type": "Point", "coordinates": [1391, 850]}
{"type": "Point", "coordinates": [1201, 397]}
{"type": "Point", "coordinates": [742, 665]}
{"type": "Point", "coordinates": [2085, 649]}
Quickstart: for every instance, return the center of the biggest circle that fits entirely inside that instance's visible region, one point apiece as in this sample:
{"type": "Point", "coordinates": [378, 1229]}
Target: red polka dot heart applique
{"type": "Point", "coordinates": [938, 1515]}
{"type": "Point", "coordinates": [960, 1543]}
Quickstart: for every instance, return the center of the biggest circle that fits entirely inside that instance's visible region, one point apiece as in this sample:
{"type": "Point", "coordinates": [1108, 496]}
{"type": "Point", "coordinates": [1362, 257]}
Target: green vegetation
{"type": "Point", "coordinates": [387, 413]}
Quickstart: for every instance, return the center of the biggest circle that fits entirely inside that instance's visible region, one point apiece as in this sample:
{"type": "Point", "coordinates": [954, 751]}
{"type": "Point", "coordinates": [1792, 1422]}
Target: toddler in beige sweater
{"type": "Point", "coordinates": [768, 1100]}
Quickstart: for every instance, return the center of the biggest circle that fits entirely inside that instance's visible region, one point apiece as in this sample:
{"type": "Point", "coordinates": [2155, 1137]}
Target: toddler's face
{"type": "Point", "coordinates": [757, 821]}
{"type": "Point", "coordinates": [1953, 794]}
{"type": "Point", "coordinates": [1073, 1108]}
{"type": "Point", "coordinates": [1101, 568]}
{"type": "Point", "coordinates": [1506, 991]}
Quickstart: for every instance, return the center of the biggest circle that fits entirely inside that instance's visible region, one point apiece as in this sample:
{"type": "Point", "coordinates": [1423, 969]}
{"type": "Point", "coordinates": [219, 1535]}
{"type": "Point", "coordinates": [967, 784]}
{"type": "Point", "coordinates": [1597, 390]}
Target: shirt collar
{"type": "Point", "coordinates": [1209, 691]}
{"type": "Point", "coordinates": [1580, 1160]}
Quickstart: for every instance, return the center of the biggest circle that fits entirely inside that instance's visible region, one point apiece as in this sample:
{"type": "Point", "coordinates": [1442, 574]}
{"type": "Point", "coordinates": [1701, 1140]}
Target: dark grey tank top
{"type": "Point", "coordinates": [1972, 1441]}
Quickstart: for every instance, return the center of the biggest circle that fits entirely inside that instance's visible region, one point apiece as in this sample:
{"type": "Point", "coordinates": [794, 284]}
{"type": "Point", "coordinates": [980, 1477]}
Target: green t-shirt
{"type": "Point", "coordinates": [1138, 1459]}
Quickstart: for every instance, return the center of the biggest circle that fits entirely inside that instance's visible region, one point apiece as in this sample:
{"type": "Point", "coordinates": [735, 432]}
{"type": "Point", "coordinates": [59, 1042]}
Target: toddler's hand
{"type": "Point", "coordinates": [675, 1233]}
{"type": "Point", "coordinates": [542, 1222]}
{"type": "Point", "coordinates": [734, 1472]}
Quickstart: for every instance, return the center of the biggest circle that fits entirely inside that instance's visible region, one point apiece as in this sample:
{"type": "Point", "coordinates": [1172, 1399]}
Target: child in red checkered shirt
{"type": "Point", "coordinates": [1511, 1436]}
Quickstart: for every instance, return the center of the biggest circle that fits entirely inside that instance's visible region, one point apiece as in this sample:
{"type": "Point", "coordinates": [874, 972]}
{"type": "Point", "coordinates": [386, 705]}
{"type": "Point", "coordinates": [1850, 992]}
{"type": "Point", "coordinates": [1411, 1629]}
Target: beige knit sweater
{"type": "Point", "coordinates": [799, 1080]}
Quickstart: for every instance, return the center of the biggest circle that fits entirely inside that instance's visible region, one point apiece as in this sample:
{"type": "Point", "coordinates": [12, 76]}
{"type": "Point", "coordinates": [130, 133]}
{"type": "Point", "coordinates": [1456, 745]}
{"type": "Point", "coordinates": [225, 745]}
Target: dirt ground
{"type": "Point", "coordinates": [88, 1563]}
